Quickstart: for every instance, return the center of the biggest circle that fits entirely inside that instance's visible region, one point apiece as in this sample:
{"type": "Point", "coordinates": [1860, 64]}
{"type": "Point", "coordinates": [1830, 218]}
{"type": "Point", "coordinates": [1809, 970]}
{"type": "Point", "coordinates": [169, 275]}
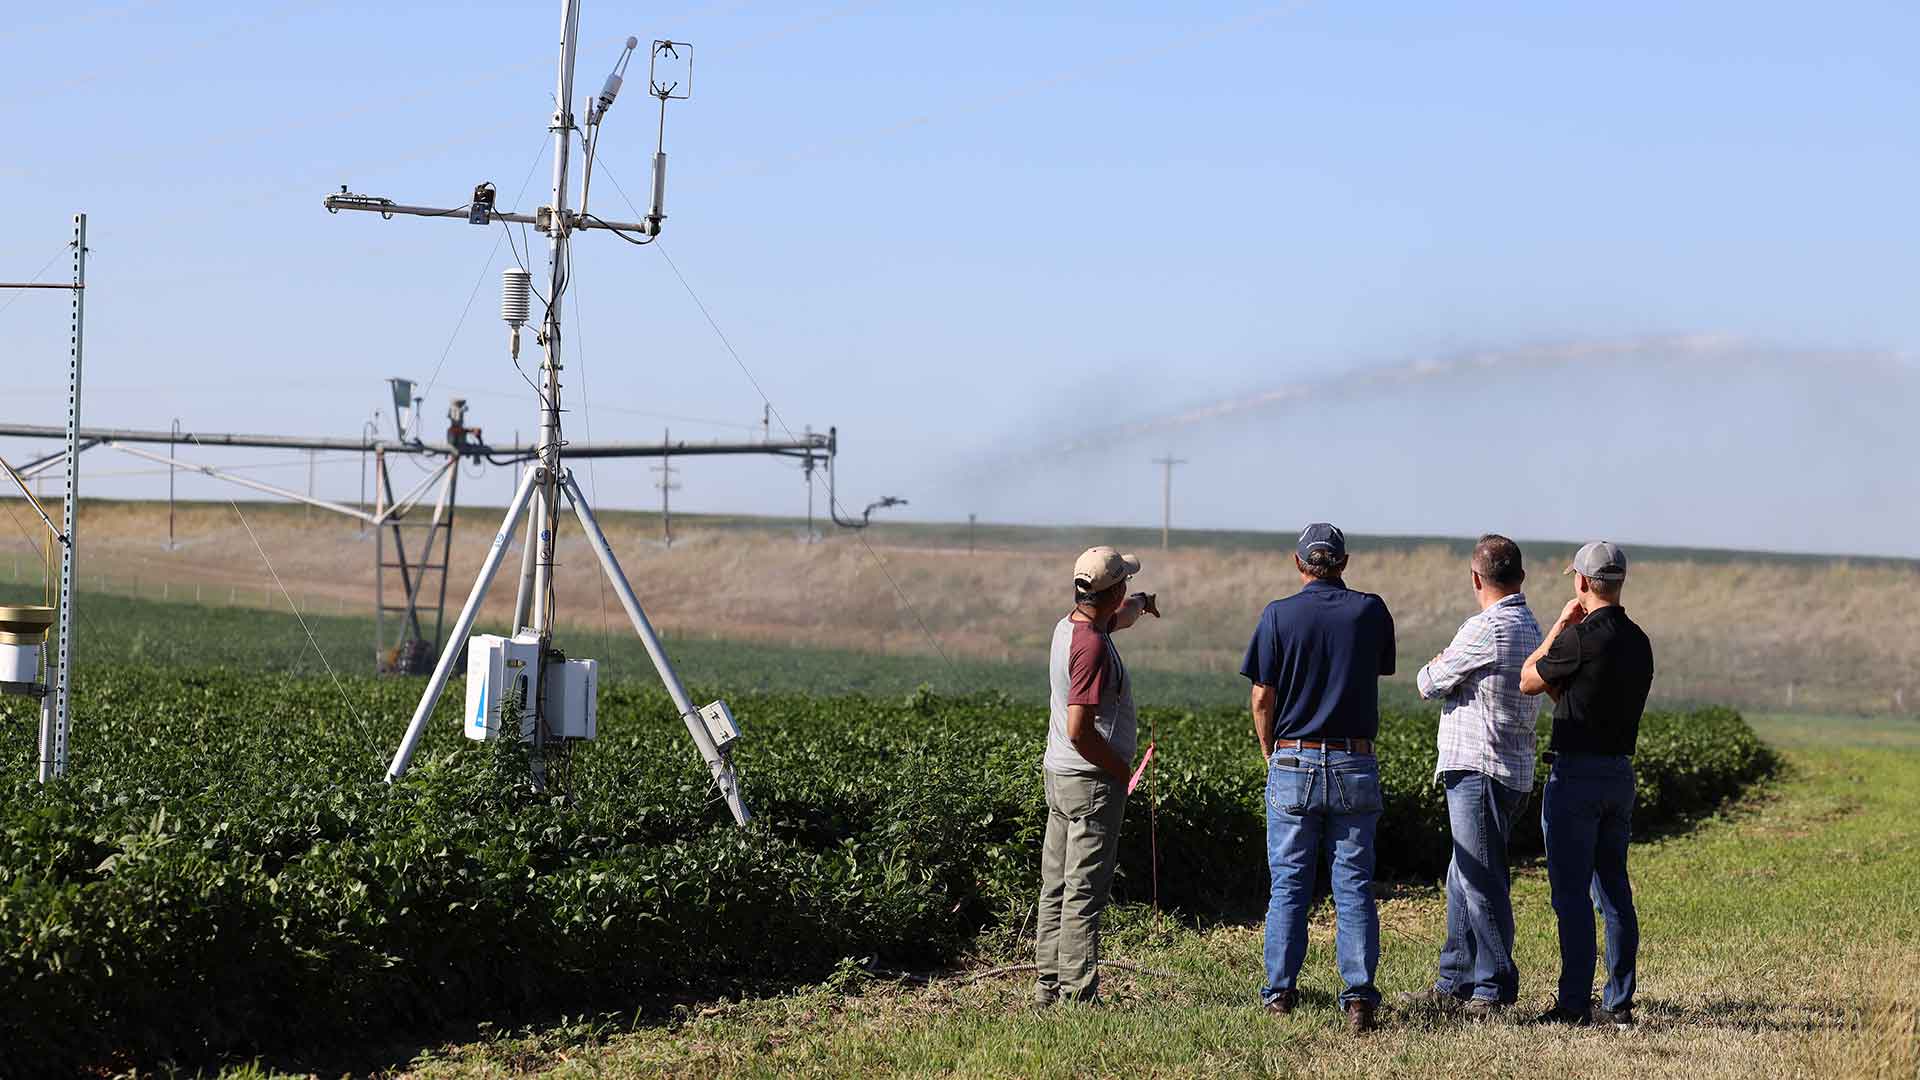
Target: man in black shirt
{"type": "Point", "coordinates": [1597, 665]}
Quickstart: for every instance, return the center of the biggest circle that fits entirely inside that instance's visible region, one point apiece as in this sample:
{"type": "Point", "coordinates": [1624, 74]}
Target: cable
{"type": "Point", "coordinates": [42, 556]}
{"type": "Point", "coordinates": [621, 233]}
{"type": "Point", "coordinates": [18, 293]}
{"type": "Point", "coordinates": [481, 280]}
{"type": "Point", "coordinates": [289, 598]}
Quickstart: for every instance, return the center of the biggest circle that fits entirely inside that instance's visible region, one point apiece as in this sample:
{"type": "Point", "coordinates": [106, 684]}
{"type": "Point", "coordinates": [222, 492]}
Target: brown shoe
{"type": "Point", "coordinates": [1360, 1016]}
{"type": "Point", "coordinates": [1283, 1003]}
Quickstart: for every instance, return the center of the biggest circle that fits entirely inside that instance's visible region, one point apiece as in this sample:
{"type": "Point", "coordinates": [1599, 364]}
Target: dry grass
{"type": "Point", "coordinates": [1764, 632]}
{"type": "Point", "coordinates": [1881, 1040]}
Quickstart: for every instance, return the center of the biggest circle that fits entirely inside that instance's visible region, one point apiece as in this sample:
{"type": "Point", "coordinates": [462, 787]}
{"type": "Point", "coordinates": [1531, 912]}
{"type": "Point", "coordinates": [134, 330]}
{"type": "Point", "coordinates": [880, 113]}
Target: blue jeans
{"type": "Point", "coordinates": [1322, 802]}
{"type": "Point", "coordinates": [1586, 814]}
{"type": "Point", "coordinates": [1477, 959]}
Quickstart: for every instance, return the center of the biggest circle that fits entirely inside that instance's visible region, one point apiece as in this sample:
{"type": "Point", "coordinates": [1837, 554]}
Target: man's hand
{"type": "Point", "coordinates": [1572, 613]}
{"type": "Point", "coordinates": [1148, 604]}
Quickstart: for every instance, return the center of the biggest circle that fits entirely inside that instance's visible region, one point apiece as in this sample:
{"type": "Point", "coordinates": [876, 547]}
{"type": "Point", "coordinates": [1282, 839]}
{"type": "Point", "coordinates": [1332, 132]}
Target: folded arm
{"type": "Point", "coordinates": [1471, 649]}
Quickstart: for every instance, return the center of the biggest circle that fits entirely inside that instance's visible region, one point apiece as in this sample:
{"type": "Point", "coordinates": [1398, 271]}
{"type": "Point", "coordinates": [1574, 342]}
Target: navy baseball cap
{"type": "Point", "coordinates": [1321, 536]}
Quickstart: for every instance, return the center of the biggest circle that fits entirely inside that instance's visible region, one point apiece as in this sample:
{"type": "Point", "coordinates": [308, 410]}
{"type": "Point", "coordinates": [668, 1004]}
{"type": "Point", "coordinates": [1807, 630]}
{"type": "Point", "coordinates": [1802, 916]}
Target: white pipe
{"type": "Point", "coordinates": [248, 482]}
{"type": "Point", "coordinates": [457, 640]}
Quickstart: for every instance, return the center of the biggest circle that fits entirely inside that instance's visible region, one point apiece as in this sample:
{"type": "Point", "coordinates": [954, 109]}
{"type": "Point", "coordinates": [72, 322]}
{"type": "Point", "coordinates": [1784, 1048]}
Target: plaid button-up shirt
{"type": "Point", "coordinates": [1487, 724]}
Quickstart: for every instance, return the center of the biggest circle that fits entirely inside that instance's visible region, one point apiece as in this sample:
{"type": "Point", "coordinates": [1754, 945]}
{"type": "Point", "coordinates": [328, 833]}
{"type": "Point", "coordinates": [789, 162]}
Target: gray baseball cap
{"type": "Point", "coordinates": [1602, 560]}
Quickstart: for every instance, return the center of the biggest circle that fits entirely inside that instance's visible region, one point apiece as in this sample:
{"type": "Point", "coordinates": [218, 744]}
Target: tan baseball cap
{"type": "Point", "coordinates": [1098, 568]}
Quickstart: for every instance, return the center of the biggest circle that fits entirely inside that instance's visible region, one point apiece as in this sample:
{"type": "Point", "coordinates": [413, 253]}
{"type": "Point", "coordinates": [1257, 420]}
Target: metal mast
{"type": "Point", "coordinates": [557, 268]}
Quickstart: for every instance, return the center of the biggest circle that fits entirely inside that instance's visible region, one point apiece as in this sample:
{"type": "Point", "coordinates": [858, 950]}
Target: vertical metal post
{"type": "Point", "coordinates": [63, 674]}
{"type": "Point", "coordinates": [446, 549]}
{"type": "Point", "coordinates": [379, 559]}
{"type": "Point", "coordinates": [558, 267]}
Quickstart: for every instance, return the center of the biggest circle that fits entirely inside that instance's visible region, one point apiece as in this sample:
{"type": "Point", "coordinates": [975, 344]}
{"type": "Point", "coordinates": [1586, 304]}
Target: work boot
{"type": "Point", "coordinates": [1283, 1003]}
{"type": "Point", "coordinates": [1481, 1011]}
{"type": "Point", "coordinates": [1430, 1002]}
{"type": "Point", "coordinates": [1567, 1017]}
{"type": "Point", "coordinates": [1621, 1018]}
{"type": "Point", "coordinates": [1360, 1016]}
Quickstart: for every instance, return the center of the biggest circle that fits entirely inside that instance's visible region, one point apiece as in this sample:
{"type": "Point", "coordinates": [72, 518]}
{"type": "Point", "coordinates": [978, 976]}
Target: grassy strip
{"type": "Point", "coordinates": [1783, 939]}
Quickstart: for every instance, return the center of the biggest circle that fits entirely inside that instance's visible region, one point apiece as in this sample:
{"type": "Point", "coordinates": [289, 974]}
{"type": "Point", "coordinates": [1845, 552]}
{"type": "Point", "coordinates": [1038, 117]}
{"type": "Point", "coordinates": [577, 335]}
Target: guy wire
{"type": "Point", "coordinates": [833, 501]}
{"type": "Point", "coordinates": [288, 596]}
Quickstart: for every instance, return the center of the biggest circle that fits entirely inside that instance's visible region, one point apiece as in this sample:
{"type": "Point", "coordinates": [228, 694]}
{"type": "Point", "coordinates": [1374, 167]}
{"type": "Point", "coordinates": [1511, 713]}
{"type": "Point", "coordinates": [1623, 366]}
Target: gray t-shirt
{"type": "Point", "coordinates": [1086, 669]}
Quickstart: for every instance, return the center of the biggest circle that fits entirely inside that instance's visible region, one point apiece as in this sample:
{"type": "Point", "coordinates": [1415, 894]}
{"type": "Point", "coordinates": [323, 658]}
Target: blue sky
{"type": "Point", "coordinates": [971, 237]}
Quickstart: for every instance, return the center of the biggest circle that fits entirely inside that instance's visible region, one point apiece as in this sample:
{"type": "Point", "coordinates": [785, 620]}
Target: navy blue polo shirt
{"type": "Point", "coordinates": [1324, 649]}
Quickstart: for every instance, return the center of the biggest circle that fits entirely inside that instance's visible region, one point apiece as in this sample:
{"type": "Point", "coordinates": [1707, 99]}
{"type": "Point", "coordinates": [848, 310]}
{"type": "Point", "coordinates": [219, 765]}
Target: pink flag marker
{"type": "Point", "coordinates": [1141, 771]}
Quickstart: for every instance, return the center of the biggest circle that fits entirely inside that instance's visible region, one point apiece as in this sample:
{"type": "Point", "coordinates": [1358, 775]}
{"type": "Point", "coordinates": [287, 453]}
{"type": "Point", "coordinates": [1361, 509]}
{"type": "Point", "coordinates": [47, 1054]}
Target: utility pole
{"type": "Point", "coordinates": [806, 472]}
{"type": "Point", "coordinates": [667, 486]}
{"type": "Point", "coordinates": [1166, 496]}
{"type": "Point", "coordinates": [170, 447]}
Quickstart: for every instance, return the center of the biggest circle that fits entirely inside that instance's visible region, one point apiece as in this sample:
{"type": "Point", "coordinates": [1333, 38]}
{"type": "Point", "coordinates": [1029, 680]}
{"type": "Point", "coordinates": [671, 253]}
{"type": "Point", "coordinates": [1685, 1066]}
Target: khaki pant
{"type": "Point", "coordinates": [1076, 868]}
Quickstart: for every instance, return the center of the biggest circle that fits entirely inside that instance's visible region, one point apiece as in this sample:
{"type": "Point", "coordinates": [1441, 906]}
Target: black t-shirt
{"type": "Point", "coordinates": [1603, 668]}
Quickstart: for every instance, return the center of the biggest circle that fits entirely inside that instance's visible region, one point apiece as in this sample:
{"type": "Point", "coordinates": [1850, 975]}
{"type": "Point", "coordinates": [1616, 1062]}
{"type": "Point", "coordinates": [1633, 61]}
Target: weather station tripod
{"type": "Point", "coordinates": [549, 710]}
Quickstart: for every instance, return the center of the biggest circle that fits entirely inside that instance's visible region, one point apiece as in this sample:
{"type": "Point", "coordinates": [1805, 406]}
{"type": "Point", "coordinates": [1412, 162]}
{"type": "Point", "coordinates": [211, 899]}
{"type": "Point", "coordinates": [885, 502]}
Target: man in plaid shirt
{"type": "Point", "coordinates": [1486, 763]}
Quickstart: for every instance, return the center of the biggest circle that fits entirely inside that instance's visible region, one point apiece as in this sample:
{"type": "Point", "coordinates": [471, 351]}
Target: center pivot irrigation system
{"type": "Point", "coordinates": [523, 674]}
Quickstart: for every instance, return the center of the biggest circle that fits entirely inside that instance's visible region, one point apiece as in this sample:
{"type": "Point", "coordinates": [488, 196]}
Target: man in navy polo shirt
{"type": "Point", "coordinates": [1314, 663]}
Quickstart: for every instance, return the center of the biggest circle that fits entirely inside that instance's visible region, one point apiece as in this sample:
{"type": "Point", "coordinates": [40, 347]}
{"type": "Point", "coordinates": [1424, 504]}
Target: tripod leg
{"type": "Point", "coordinates": [462, 626]}
{"type": "Point", "coordinates": [717, 763]}
{"type": "Point", "coordinates": [523, 597]}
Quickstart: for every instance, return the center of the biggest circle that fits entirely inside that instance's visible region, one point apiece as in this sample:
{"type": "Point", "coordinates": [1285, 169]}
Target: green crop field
{"type": "Point", "coordinates": [223, 880]}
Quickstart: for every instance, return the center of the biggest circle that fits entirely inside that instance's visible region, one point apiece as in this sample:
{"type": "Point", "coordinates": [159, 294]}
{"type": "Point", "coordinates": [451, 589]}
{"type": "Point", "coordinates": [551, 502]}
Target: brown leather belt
{"type": "Point", "coordinates": [1351, 746]}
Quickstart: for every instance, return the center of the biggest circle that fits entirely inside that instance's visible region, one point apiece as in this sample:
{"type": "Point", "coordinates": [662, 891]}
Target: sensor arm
{"type": "Point", "coordinates": [542, 221]}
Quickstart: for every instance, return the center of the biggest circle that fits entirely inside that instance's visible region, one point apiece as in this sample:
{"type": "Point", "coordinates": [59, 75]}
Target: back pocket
{"type": "Point", "coordinates": [1289, 789]}
{"type": "Point", "coordinates": [1359, 790]}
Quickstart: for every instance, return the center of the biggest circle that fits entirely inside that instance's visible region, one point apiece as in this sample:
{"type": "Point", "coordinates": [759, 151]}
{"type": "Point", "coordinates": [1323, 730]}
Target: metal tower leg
{"type": "Point", "coordinates": [463, 625]}
{"type": "Point", "coordinates": [717, 763]}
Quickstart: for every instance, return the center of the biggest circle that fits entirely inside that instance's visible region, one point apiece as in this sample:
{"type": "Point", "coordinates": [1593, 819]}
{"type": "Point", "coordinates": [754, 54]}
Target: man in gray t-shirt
{"type": "Point", "coordinates": [1090, 743]}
